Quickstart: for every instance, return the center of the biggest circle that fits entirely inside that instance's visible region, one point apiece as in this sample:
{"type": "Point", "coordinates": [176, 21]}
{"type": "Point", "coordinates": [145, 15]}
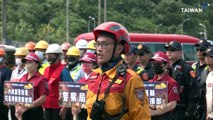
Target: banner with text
{"type": "Point", "coordinates": [157, 92]}
{"type": "Point", "coordinates": [18, 93]}
{"type": "Point", "coordinates": [72, 94]}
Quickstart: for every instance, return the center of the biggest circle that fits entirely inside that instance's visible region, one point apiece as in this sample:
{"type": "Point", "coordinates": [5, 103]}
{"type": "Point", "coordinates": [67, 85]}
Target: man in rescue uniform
{"type": "Point", "coordinates": [73, 65]}
{"type": "Point", "coordinates": [199, 67]}
{"type": "Point", "coordinates": [144, 54]}
{"type": "Point", "coordinates": [18, 72]}
{"type": "Point", "coordinates": [113, 91]}
{"type": "Point", "coordinates": [130, 60]}
{"type": "Point", "coordinates": [40, 49]}
{"type": "Point", "coordinates": [5, 76]}
{"type": "Point", "coordinates": [55, 73]}
{"type": "Point", "coordinates": [185, 77]}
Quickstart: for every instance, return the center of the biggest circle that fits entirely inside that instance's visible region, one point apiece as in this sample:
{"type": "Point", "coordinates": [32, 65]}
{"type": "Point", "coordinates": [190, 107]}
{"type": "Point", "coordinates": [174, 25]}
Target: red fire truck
{"type": "Point", "coordinates": [156, 42]}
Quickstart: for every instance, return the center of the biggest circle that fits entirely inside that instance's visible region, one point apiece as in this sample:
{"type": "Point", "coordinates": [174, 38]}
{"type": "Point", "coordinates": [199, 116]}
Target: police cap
{"type": "Point", "coordinates": [133, 50]}
{"type": "Point", "coordinates": [174, 44]}
{"type": "Point", "coordinates": [208, 52]}
{"type": "Point", "coordinates": [143, 49]}
{"type": "Point", "coordinates": [202, 44]}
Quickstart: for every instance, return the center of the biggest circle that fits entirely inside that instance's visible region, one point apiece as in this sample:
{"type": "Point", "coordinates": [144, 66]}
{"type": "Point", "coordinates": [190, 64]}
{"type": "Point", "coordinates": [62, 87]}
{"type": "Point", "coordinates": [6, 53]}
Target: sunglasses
{"type": "Point", "coordinates": [171, 49]}
{"type": "Point", "coordinates": [209, 56]}
{"type": "Point", "coordinates": [141, 54]}
{"type": "Point", "coordinates": [200, 49]}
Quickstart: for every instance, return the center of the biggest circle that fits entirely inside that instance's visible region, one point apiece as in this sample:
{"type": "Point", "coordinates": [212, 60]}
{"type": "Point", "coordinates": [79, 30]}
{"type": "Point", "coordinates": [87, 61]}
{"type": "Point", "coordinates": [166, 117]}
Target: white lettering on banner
{"type": "Point", "coordinates": [65, 96]}
{"type": "Point", "coordinates": [82, 97]}
{"type": "Point", "coordinates": [73, 97]}
{"type": "Point", "coordinates": [147, 92]}
{"type": "Point", "coordinates": [30, 100]}
{"type": "Point", "coordinates": [26, 93]}
{"type": "Point", "coordinates": [152, 93]}
{"type": "Point", "coordinates": [158, 101]}
{"type": "Point", "coordinates": [152, 101]}
{"type": "Point", "coordinates": [22, 92]}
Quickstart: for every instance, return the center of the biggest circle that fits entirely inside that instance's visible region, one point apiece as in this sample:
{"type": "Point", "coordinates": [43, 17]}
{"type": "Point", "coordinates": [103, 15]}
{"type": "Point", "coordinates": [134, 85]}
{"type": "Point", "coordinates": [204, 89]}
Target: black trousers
{"type": "Point", "coordinates": [82, 115]}
{"type": "Point", "coordinates": [3, 112]}
{"type": "Point", "coordinates": [33, 114]}
{"type": "Point", "coordinates": [53, 114]}
{"type": "Point", "coordinates": [165, 116]}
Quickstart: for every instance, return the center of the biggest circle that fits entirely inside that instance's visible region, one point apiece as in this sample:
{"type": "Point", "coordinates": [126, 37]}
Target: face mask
{"type": "Point", "coordinates": [86, 69]}
{"type": "Point", "coordinates": [72, 60]}
{"type": "Point", "coordinates": [18, 62]}
{"type": "Point", "coordinates": [158, 69]}
{"type": "Point", "coordinates": [1, 59]}
{"type": "Point", "coordinates": [29, 67]}
{"type": "Point", "coordinates": [40, 54]}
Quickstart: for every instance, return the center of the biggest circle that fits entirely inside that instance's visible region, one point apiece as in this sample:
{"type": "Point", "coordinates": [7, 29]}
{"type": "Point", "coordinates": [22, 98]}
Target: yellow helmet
{"type": "Point", "coordinates": [22, 51]}
{"type": "Point", "coordinates": [41, 45]}
{"type": "Point", "coordinates": [73, 51]}
{"type": "Point", "coordinates": [91, 45]}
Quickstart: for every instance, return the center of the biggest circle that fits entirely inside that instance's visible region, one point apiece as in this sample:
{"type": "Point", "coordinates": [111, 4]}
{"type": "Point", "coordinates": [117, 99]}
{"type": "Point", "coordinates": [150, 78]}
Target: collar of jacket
{"type": "Point", "coordinates": [110, 73]}
{"type": "Point", "coordinates": [55, 65]}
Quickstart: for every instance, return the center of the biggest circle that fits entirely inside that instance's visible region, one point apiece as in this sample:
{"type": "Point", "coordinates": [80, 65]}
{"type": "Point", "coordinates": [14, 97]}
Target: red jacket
{"type": "Point", "coordinates": [52, 74]}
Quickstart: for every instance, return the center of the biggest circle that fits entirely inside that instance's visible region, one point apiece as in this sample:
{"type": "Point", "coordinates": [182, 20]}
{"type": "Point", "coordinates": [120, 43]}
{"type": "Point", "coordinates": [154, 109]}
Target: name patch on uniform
{"type": "Point", "coordinates": [139, 93]}
{"type": "Point", "coordinates": [93, 77]}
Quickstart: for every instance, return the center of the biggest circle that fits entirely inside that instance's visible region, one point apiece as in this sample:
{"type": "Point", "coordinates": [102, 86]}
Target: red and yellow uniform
{"type": "Point", "coordinates": [136, 98]}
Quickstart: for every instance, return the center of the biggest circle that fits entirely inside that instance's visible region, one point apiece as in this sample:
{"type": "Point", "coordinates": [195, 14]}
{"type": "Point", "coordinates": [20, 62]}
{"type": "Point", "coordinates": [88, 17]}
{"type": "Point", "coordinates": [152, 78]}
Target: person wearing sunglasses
{"type": "Point", "coordinates": [183, 73]}
{"type": "Point", "coordinates": [144, 54]}
{"type": "Point", "coordinates": [199, 67]}
{"type": "Point", "coordinates": [160, 63]}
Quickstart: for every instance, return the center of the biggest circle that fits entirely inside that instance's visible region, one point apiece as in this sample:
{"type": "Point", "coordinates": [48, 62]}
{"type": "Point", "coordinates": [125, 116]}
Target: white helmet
{"type": "Point", "coordinates": [54, 48]}
{"type": "Point", "coordinates": [81, 44]}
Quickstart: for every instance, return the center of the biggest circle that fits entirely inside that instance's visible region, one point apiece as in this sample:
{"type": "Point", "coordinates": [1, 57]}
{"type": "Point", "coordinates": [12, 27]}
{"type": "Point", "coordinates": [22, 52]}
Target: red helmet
{"type": "Point", "coordinates": [117, 29]}
{"type": "Point", "coordinates": [160, 57]}
{"type": "Point", "coordinates": [89, 57]}
{"type": "Point", "coordinates": [65, 46]}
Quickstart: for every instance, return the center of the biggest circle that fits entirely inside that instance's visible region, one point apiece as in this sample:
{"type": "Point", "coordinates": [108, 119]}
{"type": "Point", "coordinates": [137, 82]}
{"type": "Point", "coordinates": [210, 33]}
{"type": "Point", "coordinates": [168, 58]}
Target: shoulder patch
{"type": "Point", "coordinates": [175, 90]}
{"type": "Point", "coordinates": [139, 93]}
{"type": "Point", "coordinates": [192, 73]}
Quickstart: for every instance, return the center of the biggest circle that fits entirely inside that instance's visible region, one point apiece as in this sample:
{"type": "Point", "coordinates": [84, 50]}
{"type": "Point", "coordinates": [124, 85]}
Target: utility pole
{"type": "Point", "coordinates": [4, 21]}
{"type": "Point", "coordinates": [105, 10]}
{"type": "Point", "coordinates": [99, 12]}
{"type": "Point", "coordinates": [67, 21]}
